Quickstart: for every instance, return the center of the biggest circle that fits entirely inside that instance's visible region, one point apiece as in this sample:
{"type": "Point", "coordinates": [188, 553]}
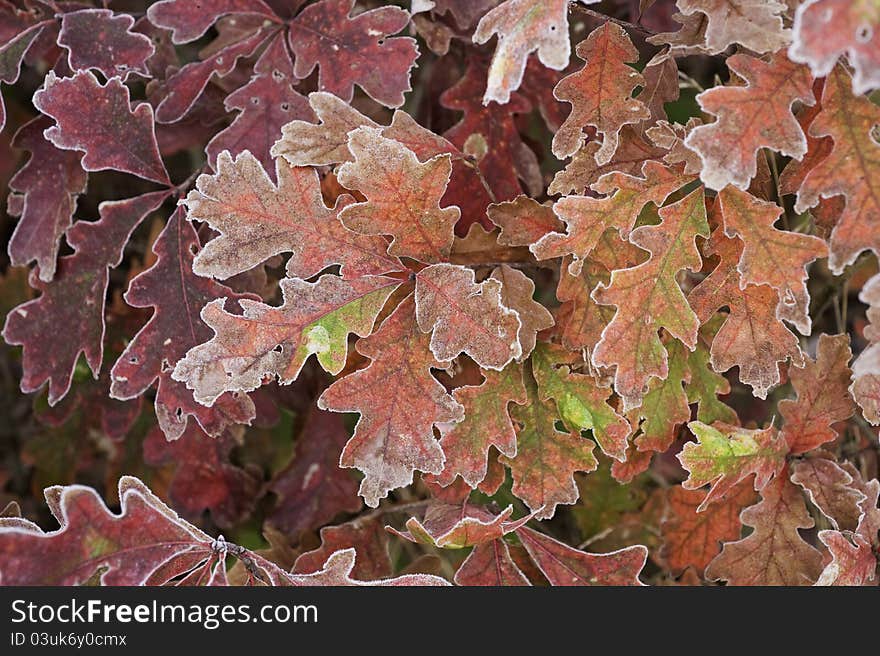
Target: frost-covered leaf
{"type": "Point", "coordinates": [648, 298]}
{"type": "Point", "coordinates": [774, 553]}
{"type": "Point", "coordinates": [347, 50]}
{"type": "Point", "coordinates": [778, 258]}
{"type": "Point", "coordinates": [276, 341]}
{"type": "Point", "coordinates": [257, 219]}
{"type": "Point", "coordinates": [830, 488]}
{"type": "Point", "coordinates": [101, 40]}
{"type": "Point", "coordinates": [825, 30]}
{"type": "Point", "coordinates": [692, 538]}
{"type": "Point", "coordinates": [582, 404]}
{"type": "Point", "coordinates": [365, 535]}
{"type": "Point", "coordinates": [176, 296]}
{"type": "Point", "coordinates": [266, 104]}
{"type": "Point", "coordinates": [44, 194]}
{"type": "Point", "coordinates": [724, 455]}
{"type": "Point", "coordinates": [851, 169]}
{"type": "Point", "coordinates": [755, 24]}
{"type": "Point", "coordinates": [853, 562]}
{"type": "Point", "coordinates": [486, 423]}
{"type": "Point", "coordinates": [403, 196]}
{"type": "Point", "coordinates": [68, 318]}
{"type": "Point", "coordinates": [338, 569]}
{"type": "Point", "coordinates": [546, 458]}
{"type": "Point", "coordinates": [751, 337]}
{"type": "Point", "coordinates": [563, 565]}
{"type": "Point", "coordinates": [399, 402]}
{"type": "Point", "coordinates": [517, 294]}
{"type": "Point", "coordinates": [189, 20]}
{"type": "Point", "coordinates": [822, 396]}
{"type": "Point", "coordinates": [601, 93]}
{"type": "Point", "coordinates": [523, 221]}
{"type": "Point", "coordinates": [523, 26]}
{"type": "Point", "coordinates": [728, 147]}
{"type": "Point", "coordinates": [464, 316]}
{"type": "Point", "coordinates": [98, 120]}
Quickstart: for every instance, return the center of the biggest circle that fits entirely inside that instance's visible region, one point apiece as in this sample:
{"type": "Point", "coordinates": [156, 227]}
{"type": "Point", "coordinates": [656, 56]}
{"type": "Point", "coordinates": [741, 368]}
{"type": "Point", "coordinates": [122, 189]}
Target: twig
{"type": "Point", "coordinates": [624, 24]}
{"type": "Point", "coordinates": [471, 161]}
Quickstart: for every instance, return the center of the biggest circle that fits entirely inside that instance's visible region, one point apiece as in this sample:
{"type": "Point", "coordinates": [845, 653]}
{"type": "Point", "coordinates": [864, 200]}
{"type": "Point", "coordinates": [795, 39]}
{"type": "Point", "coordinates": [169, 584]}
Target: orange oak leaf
{"type": "Point", "coordinates": [257, 220]}
{"type": "Point", "coordinates": [600, 93]}
{"type": "Point", "coordinates": [582, 171]}
{"type": "Point", "coordinates": [562, 565]}
{"type": "Point", "coordinates": [517, 292]}
{"type": "Point", "coordinates": [778, 258]}
{"type": "Point", "coordinates": [587, 219]}
{"type": "Point", "coordinates": [579, 319]}
{"type": "Point", "coordinates": [546, 459]}
{"type": "Point", "coordinates": [728, 147]}
{"type": "Point", "coordinates": [582, 404]}
{"type": "Point", "coordinates": [276, 341]}
{"type": "Point", "coordinates": [403, 196]}
{"type": "Point", "coordinates": [399, 402]}
{"type": "Point", "coordinates": [466, 317]}
{"type": "Point", "coordinates": [486, 423]}
{"type": "Point", "coordinates": [822, 396]}
{"type": "Point", "coordinates": [692, 538]}
{"type": "Point", "coordinates": [774, 553]}
{"type": "Point", "coordinates": [724, 455]}
{"type": "Point", "coordinates": [671, 138]}
{"type": "Point", "coordinates": [825, 30]}
{"type": "Point", "coordinates": [830, 488]}
{"type": "Point", "coordinates": [751, 337]}
{"type": "Point", "coordinates": [755, 24]}
{"type": "Point", "coordinates": [523, 26]}
{"type": "Point", "coordinates": [523, 221]}
{"type": "Point", "coordinates": [853, 562]}
{"type": "Point", "coordinates": [648, 298]}
{"type": "Point", "coordinates": [851, 170]}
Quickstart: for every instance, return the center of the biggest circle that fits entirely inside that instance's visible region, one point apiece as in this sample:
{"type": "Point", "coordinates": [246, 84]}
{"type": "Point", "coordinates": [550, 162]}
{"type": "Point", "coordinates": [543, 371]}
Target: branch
{"type": "Point", "coordinates": [595, 14]}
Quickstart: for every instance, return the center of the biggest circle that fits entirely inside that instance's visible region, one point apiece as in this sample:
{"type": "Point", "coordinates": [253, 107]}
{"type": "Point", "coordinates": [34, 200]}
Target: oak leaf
{"type": "Point", "coordinates": [755, 24]}
{"type": "Point", "coordinates": [830, 488]}
{"type": "Point", "coordinates": [852, 560]}
{"type": "Point", "coordinates": [101, 40]}
{"type": "Point", "coordinates": [188, 20]}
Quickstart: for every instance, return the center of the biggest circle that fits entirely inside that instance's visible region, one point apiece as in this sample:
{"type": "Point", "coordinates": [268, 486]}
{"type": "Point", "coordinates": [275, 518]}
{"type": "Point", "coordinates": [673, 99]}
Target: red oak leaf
{"type": "Point", "coordinates": [751, 337]}
{"type": "Point", "coordinates": [99, 121]}
{"type": "Point", "coordinates": [486, 423]}
{"type": "Point", "coordinates": [729, 145]}
{"type": "Point", "coordinates": [822, 396]}
{"type": "Point", "coordinates": [466, 317]}
{"type": "Point", "coordinates": [774, 553]}
{"type": "Point", "coordinates": [490, 564]}
{"type": "Point", "coordinates": [183, 88]}
{"type": "Point", "coordinates": [517, 293]}
{"type": "Point", "coordinates": [101, 40]}
{"type": "Point", "coordinates": [276, 341]}
{"type": "Point", "coordinates": [724, 455]}
{"type": "Point", "coordinates": [755, 24]}
{"type": "Point", "coordinates": [399, 402]}
{"type": "Point", "coordinates": [851, 169]}
{"type": "Point", "coordinates": [403, 196]}
{"type": "Point", "coordinates": [491, 136]}
{"type": "Point", "coordinates": [203, 477]}
{"type": "Point", "coordinates": [831, 490]}
{"type": "Point", "coordinates": [189, 20]}
{"type": "Point", "coordinates": [778, 258]}
{"type": "Point", "coordinates": [346, 50]}
{"type": "Point", "coordinates": [338, 569]}
{"type": "Point", "coordinates": [366, 536]}
{"type": "Point", "coordinates": [44, 194]}
{"type": "Point", "coordinates": [523, 221]}
{"type": "Point", "coordinates": [257, 219]}
{"type": "Point", "coordinates": [825, 30]}
{"type": "Point", "coordinates": [648, 297]}
{"type": "Point", "coordinates": [587, 219]}
{"type": "Point", "coordinates": [582, 171]}
{"type": "Point", "coordinates": [465, 12]}
{"type": "Point", "coordinates": [75, 300]}
{"type": "Point", "coordinates": [523, 26]}
{"type": "Point", "coordinates": [312, 489]}
{"type": "Point", "coordinates": [266, 103]}
{"type": "Point", "coordinates": [865, 387]}
{"type": "Point", "coordinates": [563, 565]}
{"type": "Point", "coordinates": [853, 562]}
{"type": "Point", "coordinates": [546, 458]}
{"type": "Point", "coordinates": [176, 295]}
{"type": "Point", "coordinates": [146, 544]}
{"type": "Point", "coordinates": [692, 538]}
{"type": "Point", "coordinates": [601, 93]}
